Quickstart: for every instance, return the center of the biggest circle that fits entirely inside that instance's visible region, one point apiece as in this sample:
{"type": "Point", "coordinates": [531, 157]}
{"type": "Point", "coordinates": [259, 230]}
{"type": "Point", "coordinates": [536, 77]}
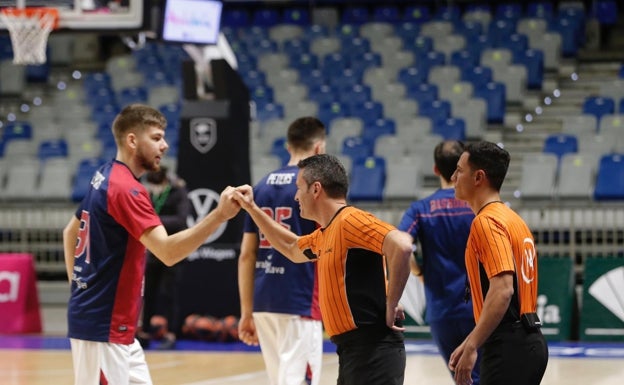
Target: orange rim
{"type": "Point", "coordinates": [33, 12]}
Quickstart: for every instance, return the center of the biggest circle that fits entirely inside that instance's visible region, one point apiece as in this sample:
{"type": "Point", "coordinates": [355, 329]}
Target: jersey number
{"type": "Point", "coordinates": [280, 214]}
{"type": "Point", "coordinates": [82, 243]}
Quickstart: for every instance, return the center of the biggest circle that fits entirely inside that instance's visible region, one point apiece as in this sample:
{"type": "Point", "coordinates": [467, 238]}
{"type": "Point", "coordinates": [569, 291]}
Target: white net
{"type": "Point", "coordinates": [29, 30]}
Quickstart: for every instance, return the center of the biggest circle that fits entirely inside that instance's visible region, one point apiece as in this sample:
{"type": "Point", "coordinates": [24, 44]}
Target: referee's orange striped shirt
{"type": "Point", "coordinates": [352, 270]}
{"type": "Point", "coordinates": [501, 241]}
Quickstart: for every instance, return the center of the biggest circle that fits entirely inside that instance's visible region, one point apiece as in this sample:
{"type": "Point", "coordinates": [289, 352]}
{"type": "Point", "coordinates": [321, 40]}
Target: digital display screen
{"type": "Point", "coordinates": [191, 21]}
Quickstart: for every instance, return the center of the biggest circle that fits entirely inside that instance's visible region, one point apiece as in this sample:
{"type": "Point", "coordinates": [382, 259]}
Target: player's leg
{"type": "Point", "coordinates": [86, 360]}
{"type": "Point", "coordinates": [300, 348]}
{"type": "Point", "coordinates": [314, 335]}
{"type": "Point", "coordinates": [125, 364]}
{"type": "Point", "coordinates": [267, 329]}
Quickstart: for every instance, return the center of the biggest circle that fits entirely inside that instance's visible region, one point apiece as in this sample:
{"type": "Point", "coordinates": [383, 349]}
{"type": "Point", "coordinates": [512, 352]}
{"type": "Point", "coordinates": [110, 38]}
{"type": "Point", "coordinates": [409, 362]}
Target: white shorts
{"type": "Point", "coordinates": [98, 363]}
{"type": "Point", "coordinates": [290, 346]}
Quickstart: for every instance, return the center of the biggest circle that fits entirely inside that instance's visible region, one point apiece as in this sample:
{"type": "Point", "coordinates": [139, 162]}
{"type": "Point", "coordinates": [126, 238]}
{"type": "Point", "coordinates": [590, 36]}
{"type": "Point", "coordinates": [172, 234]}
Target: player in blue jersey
{"type": "Point", "coordinates": [105, 243]}
{"type": "Point", "coordinates": [279, 298]}
{"type": "Point", "coordinates": [440, 224]}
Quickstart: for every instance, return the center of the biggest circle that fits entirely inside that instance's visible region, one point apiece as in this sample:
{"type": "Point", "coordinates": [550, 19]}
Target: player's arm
{"type": "Point", "coordinates": [70, 236]}
{"type": "Point", "coordinates": [397, 247]}
{"type": "Point", "coordinates": [246, 270]}
{"type": "Point", "coordinates": [282, 239]}
{"type": "Point", "coordinates": [171, 249]}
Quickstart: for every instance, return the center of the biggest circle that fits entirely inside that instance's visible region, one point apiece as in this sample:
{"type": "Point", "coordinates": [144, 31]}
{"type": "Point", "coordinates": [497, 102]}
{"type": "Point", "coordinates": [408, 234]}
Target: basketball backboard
{"type": "Point", "coordinates": [94, 15]}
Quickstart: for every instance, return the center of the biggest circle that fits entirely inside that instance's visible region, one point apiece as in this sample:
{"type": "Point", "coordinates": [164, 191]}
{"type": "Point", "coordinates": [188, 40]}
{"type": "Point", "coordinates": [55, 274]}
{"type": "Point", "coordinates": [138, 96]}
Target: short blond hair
{"type": "Point", "coordinates": [136, 118]}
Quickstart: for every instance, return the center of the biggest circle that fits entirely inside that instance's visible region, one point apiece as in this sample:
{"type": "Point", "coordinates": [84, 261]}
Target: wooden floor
{"type": "Point", "coordinates": [53, 367]}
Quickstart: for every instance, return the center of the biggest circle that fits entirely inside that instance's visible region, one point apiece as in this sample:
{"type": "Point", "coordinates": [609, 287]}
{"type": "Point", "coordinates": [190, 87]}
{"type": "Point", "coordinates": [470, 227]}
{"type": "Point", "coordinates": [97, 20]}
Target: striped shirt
{"type": "Point", "coordinates": [352, 269]}
{"type": "Point", "coordinates": [500, 241]}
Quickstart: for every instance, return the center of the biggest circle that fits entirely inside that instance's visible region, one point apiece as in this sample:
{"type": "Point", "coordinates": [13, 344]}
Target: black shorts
{"type": "Point", "coordinates": [513, 355]}
{"type": "Point", "coordinates": [371, 361]}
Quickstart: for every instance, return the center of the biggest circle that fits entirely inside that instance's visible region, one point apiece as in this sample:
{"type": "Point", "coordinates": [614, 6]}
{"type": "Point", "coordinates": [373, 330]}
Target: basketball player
{"type": "Point", "coordinates": [440, 224]}
{"type": "Point", "coordinates": [501, 262]}
{"type": "Point", "coordinates": [105, 245]}
{"type": "Point", "coordinates": [353, 250]}
{"type": "Point", "coordinates": [279, 298]}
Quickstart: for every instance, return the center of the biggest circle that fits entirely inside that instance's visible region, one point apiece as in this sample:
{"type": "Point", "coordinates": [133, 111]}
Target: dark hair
{"type": "Point", "coordinates": [490, 158]}
{"type": "Point", "coordinates": [136, 117]}
{"type": "Point", "coordinates": [446, 155]}
{"type": "Point", "coordinates": [327, 170]}
{"type": "Point", "coordinates": [303, 132]}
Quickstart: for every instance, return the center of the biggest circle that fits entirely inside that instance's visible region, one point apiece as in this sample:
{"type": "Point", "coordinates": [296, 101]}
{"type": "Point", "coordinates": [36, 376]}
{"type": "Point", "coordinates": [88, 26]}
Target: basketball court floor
{"type": "Point", "coordinates": [46, 360]}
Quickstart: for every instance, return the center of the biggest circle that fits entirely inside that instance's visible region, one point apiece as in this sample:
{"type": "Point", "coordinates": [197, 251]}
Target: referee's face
{"type": "Point", "coordinates": [462, 178]}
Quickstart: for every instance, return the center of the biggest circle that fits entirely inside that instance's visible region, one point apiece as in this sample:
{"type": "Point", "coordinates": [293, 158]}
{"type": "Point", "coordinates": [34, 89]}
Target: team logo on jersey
{"type": "Point", "coordinates": [203, 134]}
{"type": "Point", "coordinates": [528, 260]}
{"type": "Point", "coordinates": [97, 180]}
{"type": "Point", "coordinates": [203, 201]}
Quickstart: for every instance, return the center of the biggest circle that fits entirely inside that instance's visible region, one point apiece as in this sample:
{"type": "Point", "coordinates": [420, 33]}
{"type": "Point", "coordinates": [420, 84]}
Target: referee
{"type": "Point", "coordinates": [501, 263]}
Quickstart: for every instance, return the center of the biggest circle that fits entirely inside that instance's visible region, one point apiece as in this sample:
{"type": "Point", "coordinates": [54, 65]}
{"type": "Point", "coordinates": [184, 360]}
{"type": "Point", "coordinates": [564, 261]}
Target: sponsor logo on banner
{"type": "Point", "coordinates": [9, 286]}
{"type": "Point", "coordinates": [608, 289]}
{"type": "Point", "coordinates": [203, 134]}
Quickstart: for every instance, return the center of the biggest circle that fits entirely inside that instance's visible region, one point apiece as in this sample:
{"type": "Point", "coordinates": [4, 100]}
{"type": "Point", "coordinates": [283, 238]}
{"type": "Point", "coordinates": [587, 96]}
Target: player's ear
{"type": "Point", "coordinates": [131, 140]}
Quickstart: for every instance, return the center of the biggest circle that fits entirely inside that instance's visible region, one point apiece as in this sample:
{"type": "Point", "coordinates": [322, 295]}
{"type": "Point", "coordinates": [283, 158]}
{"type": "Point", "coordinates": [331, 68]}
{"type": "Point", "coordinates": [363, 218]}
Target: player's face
{"type": "Point", "coordinates": [462, 178]}
{"type": "Point", "coordinates": [151, 148]}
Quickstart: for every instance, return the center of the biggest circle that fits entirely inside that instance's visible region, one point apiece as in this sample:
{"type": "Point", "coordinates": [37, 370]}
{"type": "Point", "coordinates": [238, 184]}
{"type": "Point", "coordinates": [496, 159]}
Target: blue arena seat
{"type": "Point", "coordinates": [297, 16]}
{"type": "Point", "coordinates": [560, 144]}
{"type": "Point", "coordinates": [356, 147]}
{"type": "Point", "coordinates": [450, 12]}
{"type": "Point", "coordinates": [407, 30]}
{"type": "Point", "coordinates": [598, 106]}
{"type": "Point", "coordinates": [423, 93]}
{"type": "Point", "coordinates": [417, 13]}
{"type": "Point", "coordinates": [386, 13]}
{"type": "Point", "coordinates": [330, 111]}
{"type": "Point", "coordinates": [450, 129]}
{"type": "Point", "coordinates": [355, 14]}
{"type": "Point", "coordinates": [53, 148]}
{"type": "Point", "coordinates": [266, 17]}
{"type": "Point", "coordinates": [479, 76]}
{"type": "Point", "coordinates": [368, 178]}
{"type": "Point", "coordinates": [351, 94]}
{"type": "Point", "coordinates": [412, 76]}
{"type": "Point", "coordinates": [436, 110]}
{"type": "Point", "coordinates": [235, 18]}
{"type": "Point", "coordinates": [378, 128]}
{"type": "Point", "coordinates": [508, 11]}
{"type": "Point", "coordinates": [368, 111]}
{"type": "Point", "coordinates": [533, 60]}
{"type": "Point", "coordinates": [494, 95]}
{"type": "Point", "coordinates": [296, 47]}
{"type": "Point", "coordinates": [269, 111]}
{"type": "Point", "coordinates": [610, 178]}
{"type": "Point", "coordinates": [540, 9]}
{"type": "Point", "coordinates": [17, 130]}
{"type": "Point", "coordinates": [606, 11]}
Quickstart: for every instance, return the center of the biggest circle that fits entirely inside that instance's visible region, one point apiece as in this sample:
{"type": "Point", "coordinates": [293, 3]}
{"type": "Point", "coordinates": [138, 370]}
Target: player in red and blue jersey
{"type": "Point", "coordinates": [105, 245]}
{"type": "Point", "coordinates": [440, 224]}
{"type": "Point", "coordinates": [279, 298]}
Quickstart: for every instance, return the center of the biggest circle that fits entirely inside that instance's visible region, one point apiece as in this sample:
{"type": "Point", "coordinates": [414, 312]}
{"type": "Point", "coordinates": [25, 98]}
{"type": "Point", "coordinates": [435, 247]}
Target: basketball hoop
{"type": "Point", "coordinates": [29, 29]}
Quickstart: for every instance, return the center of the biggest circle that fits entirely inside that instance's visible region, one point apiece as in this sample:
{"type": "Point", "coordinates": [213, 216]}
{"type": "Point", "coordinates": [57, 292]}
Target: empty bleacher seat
{"type": "Point", "coordinates": [577, 173]}
{"type": "Point", "coordinates": [560, 144]}
{"type": "Point", "coordinates": [610, 178]}
{"type": "Point", "coordinates": [598, 106]}
{"type": "Point", "coordinates": [539, 172]}
{"type": "Point", "coordinates": [368, 178]}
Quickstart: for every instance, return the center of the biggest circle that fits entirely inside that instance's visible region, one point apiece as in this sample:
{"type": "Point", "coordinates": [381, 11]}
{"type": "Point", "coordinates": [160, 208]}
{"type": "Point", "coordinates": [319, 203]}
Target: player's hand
{"type": "Point", "coordinates": [244, 196]}
{"type": "Point", "coordinates": [247, 331]}
{"type": "Point", "coordinates": [228, 206]}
